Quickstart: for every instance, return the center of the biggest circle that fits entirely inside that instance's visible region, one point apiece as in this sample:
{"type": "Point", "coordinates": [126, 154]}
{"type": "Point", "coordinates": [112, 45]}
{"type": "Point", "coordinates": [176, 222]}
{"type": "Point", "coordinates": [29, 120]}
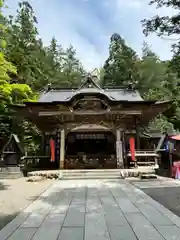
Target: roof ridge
{"type": "Point", "coordinates": [89, 80]}
{"type": "Point", "coordinates": [63, 90]}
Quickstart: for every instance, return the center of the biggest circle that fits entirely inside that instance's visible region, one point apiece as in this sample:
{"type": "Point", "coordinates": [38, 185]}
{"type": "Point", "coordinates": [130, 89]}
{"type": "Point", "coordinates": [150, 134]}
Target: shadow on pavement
{"type": "Point", "coordinates": [169, 197]}
{"type": "Point", "coordinates": [56, 200]}
{"type": "Point", "coordinates": [5, 219]}
{"type": "Point", "coordinates": [3, 186]}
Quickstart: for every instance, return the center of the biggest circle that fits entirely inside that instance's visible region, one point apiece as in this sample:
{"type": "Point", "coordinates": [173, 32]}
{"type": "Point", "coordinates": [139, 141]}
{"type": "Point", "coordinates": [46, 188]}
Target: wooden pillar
{"type": "Point", "coordinates": [119, 149]}
{"type": "Point", "coordinates": [137, 127]}
{"type": "Point", "coordinates": [138, 138]}
{"type": "Point", "coordinates": [62, 149]}
{"type": "Point", "coordinates": [124, 149]}
{"type": "Point", "coordinates": [43, 148]}
{"type": "Point", "coordinates": [46, 144]}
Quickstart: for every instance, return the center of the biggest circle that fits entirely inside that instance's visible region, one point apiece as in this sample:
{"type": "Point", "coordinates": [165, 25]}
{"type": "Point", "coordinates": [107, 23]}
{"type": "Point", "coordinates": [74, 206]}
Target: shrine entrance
{"type": "Point", "coordinates": [90, 150]}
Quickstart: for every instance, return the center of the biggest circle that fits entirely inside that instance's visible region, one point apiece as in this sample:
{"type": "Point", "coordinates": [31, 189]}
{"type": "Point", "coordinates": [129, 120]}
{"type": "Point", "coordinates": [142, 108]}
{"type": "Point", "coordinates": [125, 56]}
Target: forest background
{"type": "Point", "coordinates": [27, 66]}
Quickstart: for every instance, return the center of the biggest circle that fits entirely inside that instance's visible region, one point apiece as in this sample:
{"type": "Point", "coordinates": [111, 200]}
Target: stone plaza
{"type": "Point", "coordinates": [108, 209]}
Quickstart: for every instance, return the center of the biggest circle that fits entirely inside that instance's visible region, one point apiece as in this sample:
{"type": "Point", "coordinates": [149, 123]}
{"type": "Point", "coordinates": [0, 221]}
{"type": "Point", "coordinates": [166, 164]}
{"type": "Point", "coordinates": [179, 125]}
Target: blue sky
{"type": "Point", "coordinates": [88, 25]}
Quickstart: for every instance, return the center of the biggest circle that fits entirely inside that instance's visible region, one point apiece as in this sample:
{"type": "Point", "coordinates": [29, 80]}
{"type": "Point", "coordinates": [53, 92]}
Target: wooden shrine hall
{"type": "Point", "coordinates": [89, 127]}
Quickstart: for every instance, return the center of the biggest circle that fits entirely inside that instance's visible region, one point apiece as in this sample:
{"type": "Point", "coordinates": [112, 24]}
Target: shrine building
{"type": "Point", "coordinates": [90, 126]}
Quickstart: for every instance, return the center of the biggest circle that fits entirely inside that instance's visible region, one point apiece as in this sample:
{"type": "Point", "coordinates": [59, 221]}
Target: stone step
{"type": "Point", "coordinates": [91, 171]}
{"type": "Point", "coordinates": [91, 174]}
{"type": "Point", "coordinates": [10, 175]}
{"type": "Point", "coordinates": [116, 171]}
{"type": "Point", "coordinates": [8, 169]}
{"type": "Point", "coordinates": [10, 172]}
{"type": "Point", "coordinates": [90, 177]}
{"type": "Point", "coordinates": [148, 176]}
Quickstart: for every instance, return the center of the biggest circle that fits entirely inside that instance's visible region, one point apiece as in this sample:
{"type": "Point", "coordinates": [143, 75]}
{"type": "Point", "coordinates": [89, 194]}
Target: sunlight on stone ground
{"type": "Point", "coordinates": [93, 209]}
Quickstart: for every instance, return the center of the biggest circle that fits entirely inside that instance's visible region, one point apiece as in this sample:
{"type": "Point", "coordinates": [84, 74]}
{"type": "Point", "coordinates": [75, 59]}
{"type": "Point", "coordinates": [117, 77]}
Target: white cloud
{"type": "Point", "coordinates": [134, 4]}
{"type": "Point", "coordinates": [62, 23]}
{"type": "Point", "coordinates": [133, 12]}
{"type": "Point", "coordinates": [88, 28]}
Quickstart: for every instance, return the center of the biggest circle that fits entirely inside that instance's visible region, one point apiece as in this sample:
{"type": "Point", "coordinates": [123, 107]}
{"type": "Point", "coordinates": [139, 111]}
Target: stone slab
{"type": "Point", "coordinates": [169, 232]}
{"type": "Point", "coordinates": [114, 217]}
{"type": "Point", "coordinates": [109, 201]}
{"type": "Point", "coordinates": [39, 206]}
{"type": "Point", "coordinates": [50, 228]}
{"type": "Point", "coordinates": [61, 208]}
{"type": "Point", "coordinates": [74, 233]}
{"type": "Point", "coordinates": [117, 192]}
{"type": "Point", "coordinates": [153, 215]}
{"type": "Point", "coordinates": [33, 221]}
{"type": "Point", "coordinates": [12, 226]}
{"type": "Point", "coordinates": [93, 205]}
{"type": "Point", "coordinates": [143, 229]}
{"type": "Point", "coordinates": [93, 210]}
{"type": "Point", "coordinates": [75, 216]}
{"type": "Point", "coordinates": [96, 227]}
{"type": "Point", "coordinates": [126, 205]}
{"type": "Point", "coordinates": [121, 233]}
{"type": "Point", "coordinates": [22, 233]}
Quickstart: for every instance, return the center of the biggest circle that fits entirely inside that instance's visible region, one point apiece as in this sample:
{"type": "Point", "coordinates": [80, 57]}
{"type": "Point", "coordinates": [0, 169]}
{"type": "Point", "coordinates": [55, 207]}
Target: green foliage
{"type": "Point", "coordinates": [5, 67]}
{"type": "Point", "coordinates": [163, 25]}
{"type": "Point", "coordinates": [122, 59]}
{"type": "Point", "coordinates": [151, 72]}
{"type": "Point", "coordinates": [10, 93]}
{"type": "Point", "coordinates": [161, 124]}
{"type": "Point", "coordinates": [155, 79]}
{"type": "Point", "coordinates": [167, 26]}
{"type": "Point", "coordinates": [27, 66]}
{"type": "Point", "coordinates": [38, 65]}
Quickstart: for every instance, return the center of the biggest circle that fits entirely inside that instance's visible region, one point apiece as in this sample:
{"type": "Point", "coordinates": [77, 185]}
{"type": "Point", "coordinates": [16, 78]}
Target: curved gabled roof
{"type": "Point", "coordinates": [67, 95]}
{"type": "Point", "coordinates": [89, 87]}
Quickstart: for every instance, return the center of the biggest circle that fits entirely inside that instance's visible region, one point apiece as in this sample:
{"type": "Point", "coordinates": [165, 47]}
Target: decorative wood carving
{"type": "Point", "coordinates": [89, 104]}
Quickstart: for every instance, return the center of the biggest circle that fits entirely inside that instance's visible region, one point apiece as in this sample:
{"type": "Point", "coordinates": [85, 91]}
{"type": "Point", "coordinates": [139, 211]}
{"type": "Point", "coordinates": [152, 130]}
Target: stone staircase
{"type": "Point", "coordinates": [93, 174]}
{"type": "Point", "coordinates": [90, 174]}
{"type": "Point", "coordinates": [10, 173]}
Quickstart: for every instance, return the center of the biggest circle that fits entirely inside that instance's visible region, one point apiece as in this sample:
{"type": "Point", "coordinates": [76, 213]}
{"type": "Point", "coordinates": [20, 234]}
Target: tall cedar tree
{"type": "Point", "coordinates": [120, 67]}
{"type": "Point", "coordinates": [168, 26]}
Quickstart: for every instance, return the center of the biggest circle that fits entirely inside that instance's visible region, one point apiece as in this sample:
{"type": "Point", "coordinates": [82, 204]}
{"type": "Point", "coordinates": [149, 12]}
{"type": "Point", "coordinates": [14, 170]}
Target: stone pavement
{"type": "Point", "coordinates": [93, 210]}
